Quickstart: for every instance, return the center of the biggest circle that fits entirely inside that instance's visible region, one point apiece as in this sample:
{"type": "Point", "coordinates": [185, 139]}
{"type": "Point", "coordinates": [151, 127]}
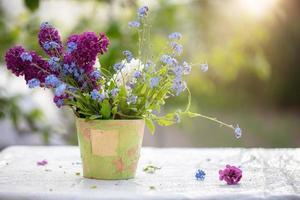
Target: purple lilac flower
{"type": "Point", "coordinates": [69, 66]}
{"type": "Point", "coordinates": [33, 83]}
{"type": "Point", "coordinates": [73, 38]}
{"type": "Point", "coordinates": [134, 24]}
{"type": "Point", "coordinates": [52, 81]}
{"type": "Point", "coordinates": [95, 95]}
{"type": "Point", "coordinates": [238, 131]}
{"type": "Point", "coordinates": [148, 64]}
{"type": "Point", "coordinates": [154, 82]}
{"type": "Point", "coordinates": [168, 60]}
{"type": "Point", "coordinates": [49, 40]}
{"type": "Point", "coordinates": [78, 74]}
{"type": "Point", "coordinates": [186, 68]}
{"type": "Point", "coordinates": [25, 56]}
{"type": "Point", "coordinates": [128, 55]}
{"type": "Point", "coordinates": [60, 90]}
{"type": "Point", "coordinates": [137, 74]}
{"type": "Point", "coordinates": [175, 36]}
{"type": "Point", "coordinates": [22, 62]}
{"type": "Point", "coordinates": [38, 68]}
{"type": "Point", "coordinates": [177, 48]}
{"type": "Point", "coordinates": [95, 75]}
{"type": "Point", "coordinates": [89, 45]}
{"type": "Point", "coordinates": [131, 99]}
{"type": "Point", "coordinates": [142, 12]}
{"type": "Point", "coordinates": [32, 65]}
{"type": "Point", "coordinates": [104, 42]}
{"type": "Point", "coordinates": [200, 175]}
{"type": "Point", "coordinates": [42, 162]}
{"type": "Point", "coordinates": [178, 71]}
{"type": "Point", "coordinates": [72, 89]}
{"type": "Point", "coordinates": [54, 63]}
{"type": "Point", "coordinates": [71, 46]}
{"type": "Point", "coordinates": [179, 86]}
{"type": "Point", "coordinates": [13, 60]}
{"type": "Point", "coordinates": [204, 67]}
{"type": "Point", "coordinates": [114, 92]}
{"type": "Point", "coordinates": [231, 174]}
{"type": "Point", "coordinates": [45, 25]}
{"type": "Point", "coordinates": [119, 66]}
{"type": "Point", "coordinates": [131, 84]}
{"type": "Point", "coordinates": [59, 100]}
{"type": "Point", "coordinates": [50, 45]}
{"type": "Point", "coordinates": [68, 69]}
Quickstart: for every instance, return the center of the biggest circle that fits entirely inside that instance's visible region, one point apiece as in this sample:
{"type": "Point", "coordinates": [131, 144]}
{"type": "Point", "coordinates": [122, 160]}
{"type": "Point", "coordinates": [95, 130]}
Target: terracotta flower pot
{"type": "Point", "coordinates": [110, 149]}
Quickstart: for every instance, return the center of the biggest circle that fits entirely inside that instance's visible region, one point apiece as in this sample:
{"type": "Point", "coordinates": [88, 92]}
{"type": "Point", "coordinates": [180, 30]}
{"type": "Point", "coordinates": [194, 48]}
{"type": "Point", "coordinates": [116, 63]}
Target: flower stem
{"type": "Point", "coordinates": [214, 120]}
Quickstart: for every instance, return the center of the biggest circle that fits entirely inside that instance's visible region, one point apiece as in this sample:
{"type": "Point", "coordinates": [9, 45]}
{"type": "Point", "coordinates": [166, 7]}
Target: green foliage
{"type": "Point", "coordinates": [32, 5]}
{"type": "Point", "coordinates": [150, 125]}
{"type": "Point", "coordinates": [105, 109]}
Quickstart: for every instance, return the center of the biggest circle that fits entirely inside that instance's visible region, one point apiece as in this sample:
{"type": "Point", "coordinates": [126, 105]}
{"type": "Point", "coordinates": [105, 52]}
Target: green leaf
{"type": "Point", "coordinates": [105, 109]}
{"type": "Point", "coordinates": [95, 117]}
{"type": "Point", "coordinates": [114, 110]}
{"type": "Point", "coordinates": [190, 114]}
{"type": "Point", "coordinates": [166, 120]}
{"type": "Point", "coordinates": [150, 125]}
{"type": "Point", "coordinates": [32, 5]}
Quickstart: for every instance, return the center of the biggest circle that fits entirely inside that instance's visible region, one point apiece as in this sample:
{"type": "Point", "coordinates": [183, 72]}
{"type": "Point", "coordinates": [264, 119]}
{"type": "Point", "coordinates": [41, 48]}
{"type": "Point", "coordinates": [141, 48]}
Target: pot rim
{"type": "Point", "coordinates": [108, 120]}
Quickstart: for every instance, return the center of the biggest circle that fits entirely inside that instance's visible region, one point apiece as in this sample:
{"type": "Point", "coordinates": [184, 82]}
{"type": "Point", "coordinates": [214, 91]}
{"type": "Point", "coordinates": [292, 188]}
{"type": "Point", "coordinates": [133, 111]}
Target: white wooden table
{"type": "Point", "coordinates": [267, 174]}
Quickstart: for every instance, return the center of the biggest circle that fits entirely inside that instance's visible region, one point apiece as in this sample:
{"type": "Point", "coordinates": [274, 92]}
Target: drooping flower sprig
{"type": "Point", "coordinates": [134, 88]}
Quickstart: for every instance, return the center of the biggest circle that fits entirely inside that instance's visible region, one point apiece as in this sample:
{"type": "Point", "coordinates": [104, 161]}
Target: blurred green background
{"type": "Point", "coordinates": [252, 48]}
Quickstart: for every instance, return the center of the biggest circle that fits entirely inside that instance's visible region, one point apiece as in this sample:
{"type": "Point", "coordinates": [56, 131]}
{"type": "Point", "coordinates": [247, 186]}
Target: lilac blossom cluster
{"type": "Point", "coordinates": [75, 62]}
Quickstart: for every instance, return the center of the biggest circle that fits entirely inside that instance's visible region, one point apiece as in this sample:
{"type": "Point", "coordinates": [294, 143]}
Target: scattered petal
{"type": "Point", "coordinates": [42, 162]}
{"type": "Point", "coordinates": [150, 169]}
{"type": "Point", "coordinates": [200, 175]}
{"type": "Point", "coordinates": [152, 187]}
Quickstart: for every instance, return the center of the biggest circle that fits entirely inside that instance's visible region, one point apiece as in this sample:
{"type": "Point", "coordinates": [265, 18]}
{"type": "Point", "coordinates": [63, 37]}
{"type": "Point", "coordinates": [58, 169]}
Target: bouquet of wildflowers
{"type": "Point", "coordinates": [134, 88]}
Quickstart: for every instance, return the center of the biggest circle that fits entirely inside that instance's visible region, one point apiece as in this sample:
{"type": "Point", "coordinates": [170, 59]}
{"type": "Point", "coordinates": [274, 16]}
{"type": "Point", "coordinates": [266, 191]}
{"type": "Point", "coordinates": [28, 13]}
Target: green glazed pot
{"type": "Point", "coordinates": [110, 149]}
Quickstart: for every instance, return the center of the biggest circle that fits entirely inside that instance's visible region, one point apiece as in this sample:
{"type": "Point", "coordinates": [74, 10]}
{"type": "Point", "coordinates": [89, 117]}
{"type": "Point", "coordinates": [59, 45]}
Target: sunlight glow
{"type": "Point", "coordinates": [257, 8]}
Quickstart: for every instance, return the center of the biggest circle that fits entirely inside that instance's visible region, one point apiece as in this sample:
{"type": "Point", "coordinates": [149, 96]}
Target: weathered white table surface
{"type": "Point", "coordinates": [267, 174]}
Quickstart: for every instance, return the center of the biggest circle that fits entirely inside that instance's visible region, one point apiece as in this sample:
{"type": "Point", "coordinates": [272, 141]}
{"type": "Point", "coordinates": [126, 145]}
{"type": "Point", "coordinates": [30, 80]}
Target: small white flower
{"type": "Point", "coordinates": [97, 64]}
{"type": "Point", "coordinates": [127, 72]}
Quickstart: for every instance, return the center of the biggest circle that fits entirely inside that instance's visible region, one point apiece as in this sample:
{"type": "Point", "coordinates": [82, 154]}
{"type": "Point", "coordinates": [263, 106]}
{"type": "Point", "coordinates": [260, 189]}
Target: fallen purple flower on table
{"type": "Point", "coordinates": [42, 162]}
{"type": "Point", "coordinates": [200, 175]}
{"type": "Point", "coordinates": [231, 174]}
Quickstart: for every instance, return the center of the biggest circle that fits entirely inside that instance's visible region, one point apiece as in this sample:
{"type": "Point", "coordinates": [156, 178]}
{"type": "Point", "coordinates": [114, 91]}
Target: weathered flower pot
{"type": "Point", "coordinates": [110, 149]}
